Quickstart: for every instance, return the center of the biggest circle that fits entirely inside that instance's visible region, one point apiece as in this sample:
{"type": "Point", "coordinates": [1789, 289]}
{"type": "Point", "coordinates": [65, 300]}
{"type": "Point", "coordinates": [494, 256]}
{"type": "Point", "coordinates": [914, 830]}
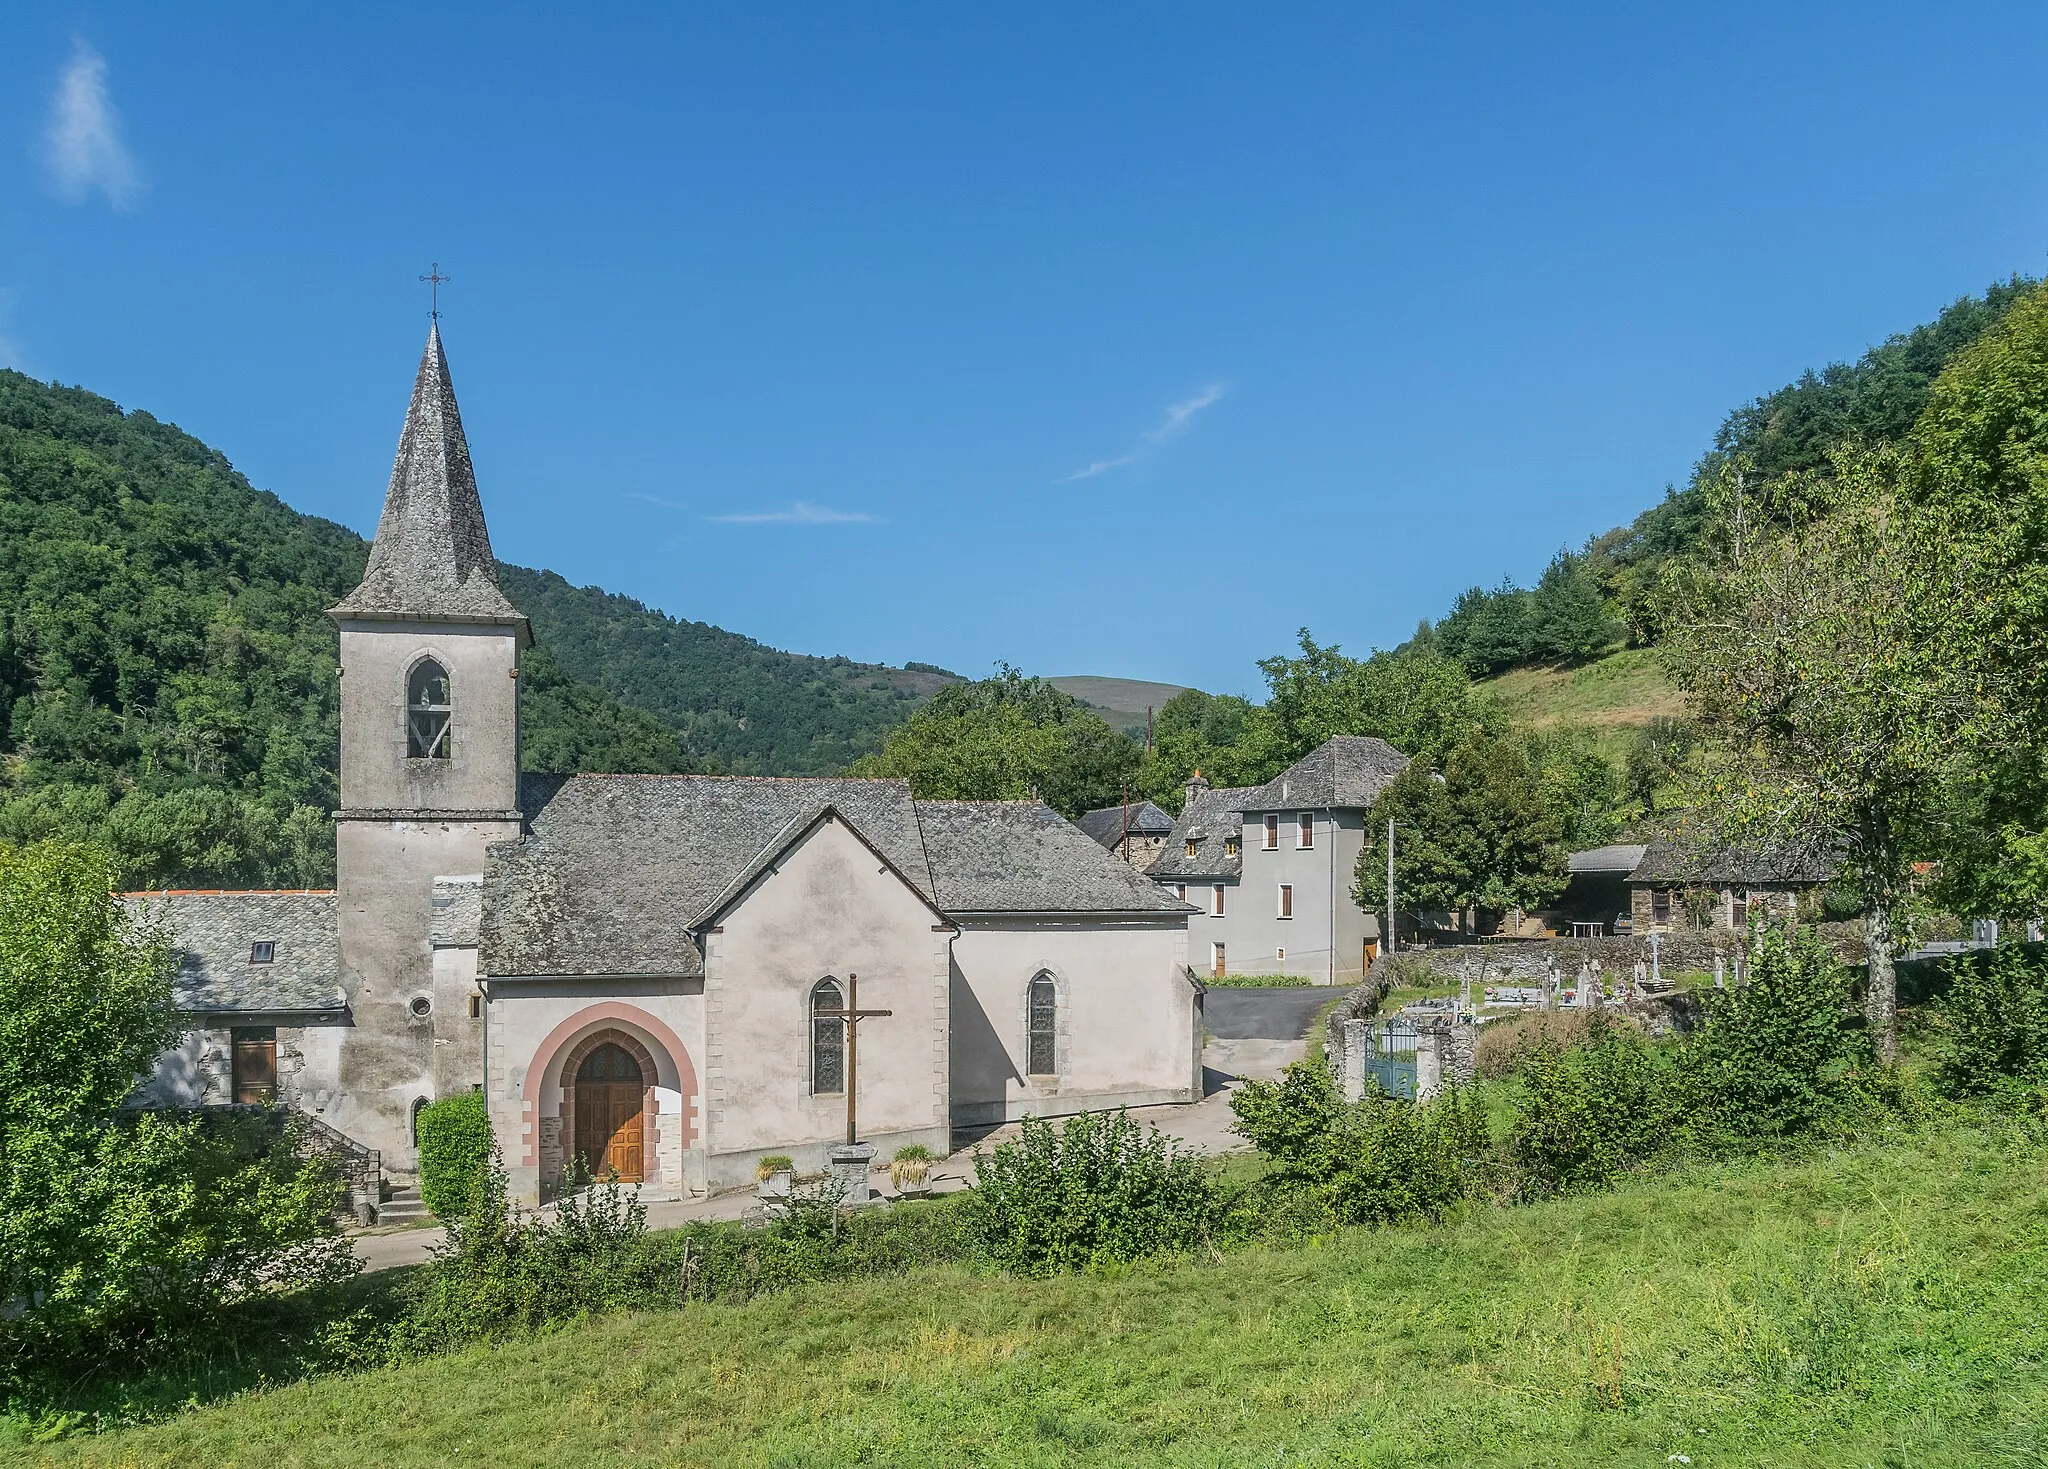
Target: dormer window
{"type": "Point", "coordinates": [263, 951]}
{"type": "Point", "coordinates": [1230, 846]}
{"type": "Point", "coordinates": [1192, 848]}
{"type": "Point", "coordinates": [428, 711]}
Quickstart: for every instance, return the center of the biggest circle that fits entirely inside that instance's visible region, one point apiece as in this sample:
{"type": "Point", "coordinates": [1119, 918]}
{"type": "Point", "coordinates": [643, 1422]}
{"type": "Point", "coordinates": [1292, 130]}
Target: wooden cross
{"type": "Point", "coordinates": [853, 1015]}
{"type": "Point", "coordinates": [435, 281]}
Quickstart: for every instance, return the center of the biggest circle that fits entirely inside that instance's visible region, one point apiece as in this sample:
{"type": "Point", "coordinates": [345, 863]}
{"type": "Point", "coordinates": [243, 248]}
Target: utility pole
{"type": "Point", "coordinates": [1390, 885]}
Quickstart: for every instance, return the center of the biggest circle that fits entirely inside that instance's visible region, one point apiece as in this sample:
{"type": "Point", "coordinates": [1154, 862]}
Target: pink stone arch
{"type": "Point", "coordinates": [626, 1019]}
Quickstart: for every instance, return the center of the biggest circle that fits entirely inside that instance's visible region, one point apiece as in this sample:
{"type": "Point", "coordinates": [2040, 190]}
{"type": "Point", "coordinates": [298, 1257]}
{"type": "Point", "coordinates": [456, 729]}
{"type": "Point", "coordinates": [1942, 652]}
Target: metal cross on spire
{"type": "Point", "coordinates": [436, 280]}
{"type": "Point", "coordinates": [853, 1015]}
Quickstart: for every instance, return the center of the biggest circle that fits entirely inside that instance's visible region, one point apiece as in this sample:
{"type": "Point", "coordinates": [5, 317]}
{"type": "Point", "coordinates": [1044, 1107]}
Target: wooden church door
{"type": "Point", "coordinates": [610, 1121]}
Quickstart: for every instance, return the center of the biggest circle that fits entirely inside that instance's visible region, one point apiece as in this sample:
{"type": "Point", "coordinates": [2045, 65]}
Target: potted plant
{"type": "Point", "coordinates": [911, 1169]}
{"type": "Point", "coordinates": [774, 1174]}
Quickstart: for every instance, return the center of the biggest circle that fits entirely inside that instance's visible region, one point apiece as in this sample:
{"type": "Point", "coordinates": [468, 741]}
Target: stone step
{"type": "Point", "coordinates": [402, 1206]}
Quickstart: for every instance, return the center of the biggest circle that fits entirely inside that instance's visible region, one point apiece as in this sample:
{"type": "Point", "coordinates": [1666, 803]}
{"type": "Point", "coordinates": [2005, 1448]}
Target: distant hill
{"type": "Point", "coordinates": [167, 669]}
{"type": "Point", "coordinates": [1120, 701]}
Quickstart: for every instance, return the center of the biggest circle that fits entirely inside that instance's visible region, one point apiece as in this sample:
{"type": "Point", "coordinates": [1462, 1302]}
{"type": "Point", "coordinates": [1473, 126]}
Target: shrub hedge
{"type": "Point", "coordinates": [455, 1154]}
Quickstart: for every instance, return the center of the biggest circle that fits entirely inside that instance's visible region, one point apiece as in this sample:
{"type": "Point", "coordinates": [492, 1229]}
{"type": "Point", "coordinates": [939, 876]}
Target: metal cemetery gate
{"type": "Point", "coordinates": [1390, 1058]}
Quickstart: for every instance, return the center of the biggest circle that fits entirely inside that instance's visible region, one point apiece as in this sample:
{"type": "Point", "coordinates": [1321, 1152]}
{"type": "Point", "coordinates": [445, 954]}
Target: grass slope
{"type": "Point", "coordinates": [1613, 696]}
{"type": "Point", "coordinates": [1120, 701]}
{"type": "Point", "coordinates": [1876, 1306]}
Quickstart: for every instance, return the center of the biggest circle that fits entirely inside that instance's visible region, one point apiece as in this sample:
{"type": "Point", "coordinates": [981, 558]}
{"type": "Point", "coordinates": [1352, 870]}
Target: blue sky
{"type": "Point", "coordinates": [1107, 339]}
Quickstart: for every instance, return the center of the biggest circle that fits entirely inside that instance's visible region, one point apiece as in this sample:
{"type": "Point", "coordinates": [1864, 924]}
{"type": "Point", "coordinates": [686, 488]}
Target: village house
{"type": "Point", "coordinates": [1675, 889]}
{"type": "Point", "coordinates": [1270, 868]}
{"type": "Point", "coordinates": [1136, 832]}
{"type": "Point", "coordinates": [646, 973]}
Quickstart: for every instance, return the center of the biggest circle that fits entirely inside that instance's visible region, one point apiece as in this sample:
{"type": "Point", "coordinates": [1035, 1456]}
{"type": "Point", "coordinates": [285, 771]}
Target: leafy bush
{"type": "Point", "coordinates": [1997, 1014]}
{"type": "Point", "coordinates": [124, 1233]}
{"type": "Point", "coordinates": [1781, 1054]}
{"type": "Point", "coordinates": [1370, 1162]}
{"type": "Point", "coordinates": [1589, 1110]}
{"type": "Point", "coordinates": [1505, 1045]}
{"type": "Point", "coordinates": [455, 1153]}
{"type": "Point", "coordinates": [1094, 1192]}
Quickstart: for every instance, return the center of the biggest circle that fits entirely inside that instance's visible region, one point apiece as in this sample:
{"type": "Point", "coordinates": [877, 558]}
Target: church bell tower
{"type": "Point", "coordinates": [429, 756]}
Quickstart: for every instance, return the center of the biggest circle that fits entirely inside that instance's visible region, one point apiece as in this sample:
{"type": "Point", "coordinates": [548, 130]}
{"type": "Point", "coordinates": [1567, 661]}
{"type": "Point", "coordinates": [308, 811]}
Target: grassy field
{"type": "Point", "coordinates": [1612, 696]}
{"type": "Point", "coordinates": [1882, 1305]}
{"type": "Point", "coordinates": [1121, 701]}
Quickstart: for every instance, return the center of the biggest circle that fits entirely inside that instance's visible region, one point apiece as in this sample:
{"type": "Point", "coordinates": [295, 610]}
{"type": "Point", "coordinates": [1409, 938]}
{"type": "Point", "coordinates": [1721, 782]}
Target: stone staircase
{"type": "Point", "coordinates": [403, 1206]}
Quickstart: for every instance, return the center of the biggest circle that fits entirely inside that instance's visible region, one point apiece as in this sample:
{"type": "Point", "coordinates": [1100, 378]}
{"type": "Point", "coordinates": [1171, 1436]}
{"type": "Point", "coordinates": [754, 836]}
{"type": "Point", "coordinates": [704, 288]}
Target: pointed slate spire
{"type": "Point", "coordinates": [432, 555]}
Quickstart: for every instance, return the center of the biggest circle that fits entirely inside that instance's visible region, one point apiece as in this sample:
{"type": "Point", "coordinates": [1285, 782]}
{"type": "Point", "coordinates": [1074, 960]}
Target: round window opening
{"type": "Point", "coordinates": [422, 1007]}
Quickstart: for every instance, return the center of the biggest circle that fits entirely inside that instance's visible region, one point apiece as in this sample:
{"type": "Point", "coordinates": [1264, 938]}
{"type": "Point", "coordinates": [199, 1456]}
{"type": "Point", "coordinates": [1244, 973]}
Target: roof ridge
{"type": "Point", "coordinates": [228, 893]}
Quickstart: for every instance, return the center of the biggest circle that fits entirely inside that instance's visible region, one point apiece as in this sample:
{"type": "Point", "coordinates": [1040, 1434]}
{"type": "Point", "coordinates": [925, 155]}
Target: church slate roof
{"type": "Point", "coordinates": [1024, 857]}
{"type": "Point", "coordinates": [212, 934]}
{"type": "Point", "coordinates": [458, 911]}
{"type": "Point", "coordinates": [1211, 816]}
{"type": "Point", "coordinates": [1107, 824]}
{"type": "Point", "coordinates": [432, 556]}
{"type": "Point", "coordinates": [616, 871]}
{"type": "Point", "coordinates": [1343, 771]}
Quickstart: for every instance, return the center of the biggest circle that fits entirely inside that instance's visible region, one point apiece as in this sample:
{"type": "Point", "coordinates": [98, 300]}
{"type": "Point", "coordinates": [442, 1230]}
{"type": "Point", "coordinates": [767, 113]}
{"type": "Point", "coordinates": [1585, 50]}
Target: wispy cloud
{"type": "Point", "coordinates": [82, 144]}
{"type": "Point", "coordinates": [1178, 417]}
{"type": "Point", "coordinates": [655, 500]}
{"type": "Point", "coordinates": [803, 512]}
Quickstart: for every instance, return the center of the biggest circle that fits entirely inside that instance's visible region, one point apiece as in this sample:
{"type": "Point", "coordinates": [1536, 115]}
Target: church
{"type": "Point", "coordinates": [649, 972]}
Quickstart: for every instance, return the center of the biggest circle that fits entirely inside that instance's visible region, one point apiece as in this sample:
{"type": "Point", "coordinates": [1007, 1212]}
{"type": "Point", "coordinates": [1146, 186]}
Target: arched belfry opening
{"type": "Point", "coordinates": [429, 710]}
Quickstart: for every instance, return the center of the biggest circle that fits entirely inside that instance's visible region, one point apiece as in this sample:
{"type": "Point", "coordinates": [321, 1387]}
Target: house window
{"type": "Point", "coordinates": [1286, 900]}
{"type": "Point", "coordinates": [828, 1040]}
{"type": "Point", "coordinates": [427, 711]}
{"type": "Point", "coordinates": [1281, 955]}
{"type": "Point", "coordinates": [1307, 837]}
{"type": "Point", "coordinates": [1230, 846]}
{"type": "Point", "coordinates": [1216, 901]}
{"type": "Point", "coordinates": [1660, 905]}
{"type": "Point", "coordinates": [1191, 848]}
{"type": "Point", "coordinates": [419, 1105]}
{"type": "Point", "coordinates": [1272, 831]}
{"type": "Point", "coordinates": [1216, 960]}
{"type": "Point", "coordinates": [476, 1007]}
{"type": "Point", "coordinates": [1043, 1058]}
{"type": "Point", "coordinates": [263, 951]}
{"type": "Point", "coordinates": [1180, 890]}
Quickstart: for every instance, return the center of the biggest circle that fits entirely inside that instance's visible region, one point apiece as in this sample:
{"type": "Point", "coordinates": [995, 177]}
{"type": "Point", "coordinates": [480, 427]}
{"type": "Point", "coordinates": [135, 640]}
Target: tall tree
{"type": "Point", "coordinates": [1416, 699]}
{"type": "Point", "coordinates": [1481, 833]}
{"type": "Point", "coordinates": [1819, 661]}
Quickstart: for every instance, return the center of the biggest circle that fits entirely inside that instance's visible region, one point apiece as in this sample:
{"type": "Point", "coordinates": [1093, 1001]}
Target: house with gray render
{"type": "Point", "coordinates": [1270, 868]}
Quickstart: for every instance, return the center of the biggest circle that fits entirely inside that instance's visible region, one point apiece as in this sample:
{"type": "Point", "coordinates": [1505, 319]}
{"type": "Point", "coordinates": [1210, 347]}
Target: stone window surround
{"type": "Point", "coordinates": [1062, 1059]}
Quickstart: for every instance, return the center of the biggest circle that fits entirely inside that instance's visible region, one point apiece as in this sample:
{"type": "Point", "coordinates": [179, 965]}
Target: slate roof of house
{"type": "Point", "coordinates": [1108, 824]}
{"type": "Point", "coordinates": [432, 556]}
{"type": "Point", "coordinates": [1343, 771]}
{"type": "Point", "coordinates": [1607, 859]}
{"type": "Point", "coordinates": [1787, 864]}
{"type": "Point", "coordinates": [1211, 816]}
{"type": "Point", "coordinates": [1024, 857]}
{"type": "Point", "coordinates": [213, 933]}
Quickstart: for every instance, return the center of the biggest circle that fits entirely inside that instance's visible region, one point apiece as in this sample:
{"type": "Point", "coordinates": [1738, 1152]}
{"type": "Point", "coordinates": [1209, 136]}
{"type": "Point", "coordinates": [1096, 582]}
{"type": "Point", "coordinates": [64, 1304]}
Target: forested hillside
{"type": "Point", "coordinates": [167, 670]}
{"type": "Point", "coordinates": [1606, 594]}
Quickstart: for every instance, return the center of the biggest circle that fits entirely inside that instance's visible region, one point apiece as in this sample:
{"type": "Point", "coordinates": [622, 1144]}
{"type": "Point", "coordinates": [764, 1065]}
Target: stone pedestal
{"type": "Point", "coordinates": [850, 1163]}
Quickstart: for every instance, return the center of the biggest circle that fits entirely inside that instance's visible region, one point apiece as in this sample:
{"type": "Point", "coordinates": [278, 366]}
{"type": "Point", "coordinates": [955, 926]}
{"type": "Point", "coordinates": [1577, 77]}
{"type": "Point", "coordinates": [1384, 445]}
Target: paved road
{"type": "Point", "coordinates": [1264, 1014]}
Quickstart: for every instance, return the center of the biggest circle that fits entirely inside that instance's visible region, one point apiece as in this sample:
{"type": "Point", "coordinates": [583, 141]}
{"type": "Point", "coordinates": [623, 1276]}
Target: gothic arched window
{"type": "Point", "coordinates": [1043, 1019]}
{"type": "Point", "coordinates": [428, 710]}
{"type": "Point", "coordinates": [828, 1040]}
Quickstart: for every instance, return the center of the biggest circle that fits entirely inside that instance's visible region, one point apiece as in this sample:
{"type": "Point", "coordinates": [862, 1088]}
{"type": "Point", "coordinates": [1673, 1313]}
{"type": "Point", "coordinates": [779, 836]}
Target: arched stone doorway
{"type": "Point", "coordinates": [551, 1123]}
{"type": "Point", "coordinates": [610, 1111]}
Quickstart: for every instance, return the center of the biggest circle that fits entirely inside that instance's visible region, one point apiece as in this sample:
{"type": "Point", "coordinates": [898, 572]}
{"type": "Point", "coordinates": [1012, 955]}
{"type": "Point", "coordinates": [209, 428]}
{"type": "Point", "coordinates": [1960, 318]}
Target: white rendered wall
{"type": "Point", "coordinates": [829, 907]}
{"type": "Point", "coordinates": [1129, 1030]}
